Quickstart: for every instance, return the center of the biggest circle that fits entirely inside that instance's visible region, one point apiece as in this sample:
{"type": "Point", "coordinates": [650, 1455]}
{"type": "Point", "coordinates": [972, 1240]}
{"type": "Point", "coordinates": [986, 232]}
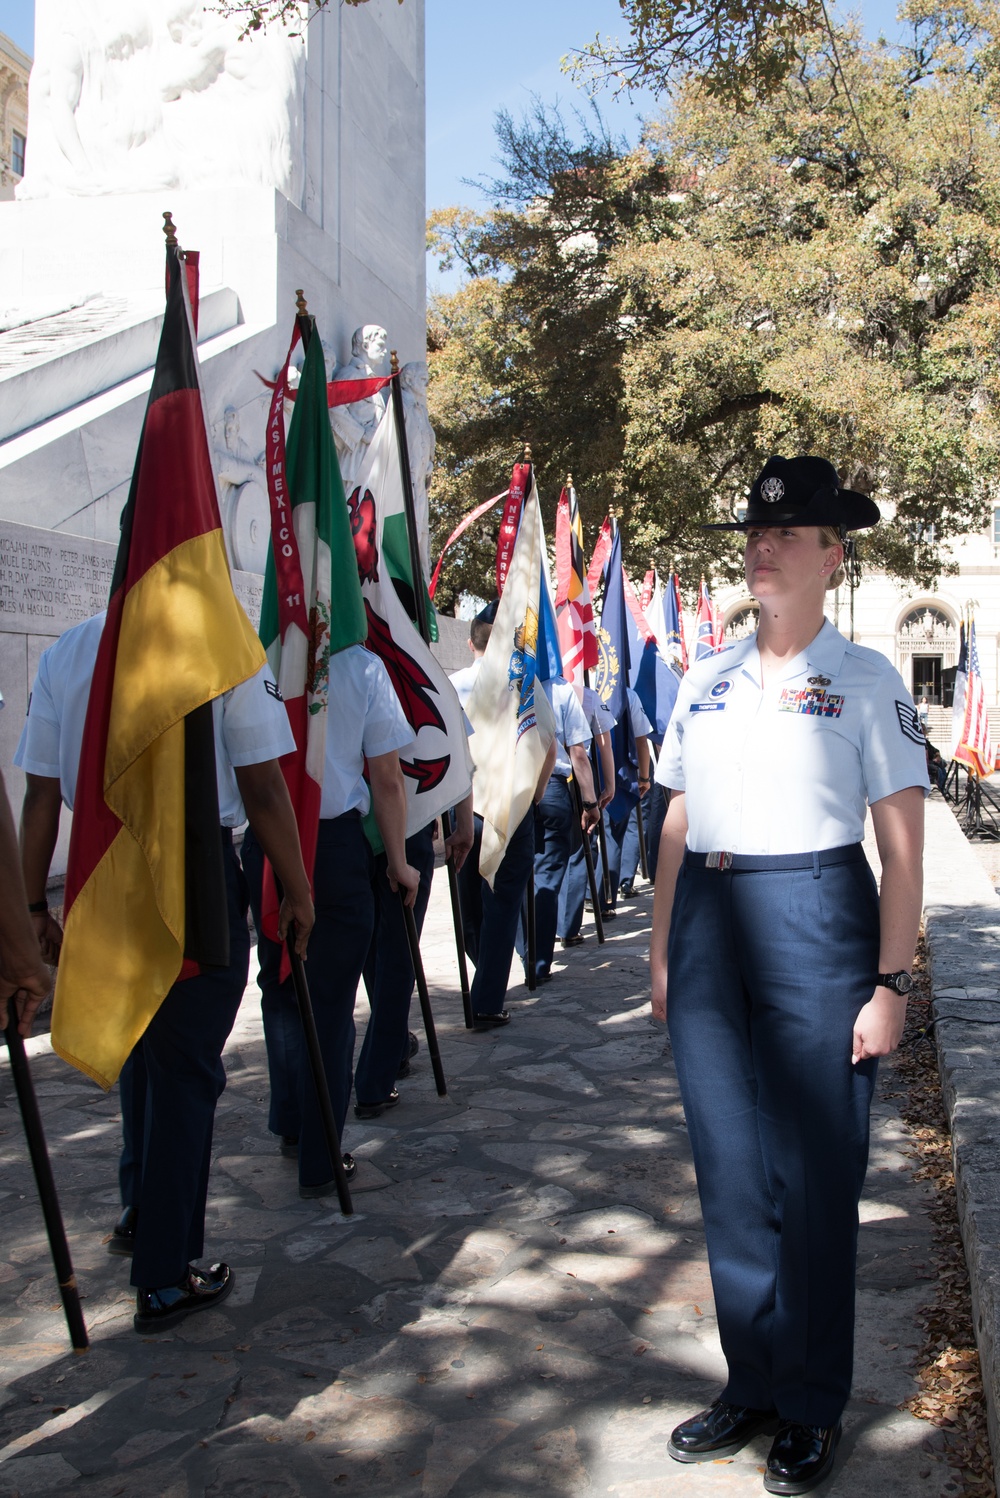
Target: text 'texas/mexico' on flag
{"type": "Point", "coordinates": [145, 887]}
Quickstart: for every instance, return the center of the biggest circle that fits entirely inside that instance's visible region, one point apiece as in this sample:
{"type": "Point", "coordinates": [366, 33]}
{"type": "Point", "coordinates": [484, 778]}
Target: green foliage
{"type": "Point", "coordinates": [816, 273]}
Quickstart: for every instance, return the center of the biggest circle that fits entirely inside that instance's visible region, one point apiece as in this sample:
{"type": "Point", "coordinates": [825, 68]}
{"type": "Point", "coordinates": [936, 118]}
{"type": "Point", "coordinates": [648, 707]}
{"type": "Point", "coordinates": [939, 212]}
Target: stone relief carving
{"type": "Point", "coordinates": [135, 95]}
{"type": "Point", "coordinates": [354, 425]}
{"type": "Point", "coordinates": [246, 512]}
{"type": "Point", "coordinates": [421, 444]}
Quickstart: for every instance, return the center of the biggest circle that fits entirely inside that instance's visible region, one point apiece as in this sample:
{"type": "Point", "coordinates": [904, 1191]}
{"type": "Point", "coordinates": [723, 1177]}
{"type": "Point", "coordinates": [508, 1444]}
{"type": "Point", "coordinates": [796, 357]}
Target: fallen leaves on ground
{"type": "Point", "coordinates": [950, 1394]}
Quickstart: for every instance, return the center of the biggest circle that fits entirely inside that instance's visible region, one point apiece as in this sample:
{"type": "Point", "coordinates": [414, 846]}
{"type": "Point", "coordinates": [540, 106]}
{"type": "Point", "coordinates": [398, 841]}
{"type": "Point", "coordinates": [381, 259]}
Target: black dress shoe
{"type": "Point", "coordinates": [199, 1290]}
{"type": "Point", "coordinates": [490, 1021]}
{"type": "Point", "coordinates": [609, 914]}
{"type": "Point", "coordinates": [801, 1457]}
{"type": "Point", "coordinates": [289, 1146]}
{"type": "Point", "coordinates": [374, 1110]}
{"type": "Point", "coordinates": [122, 1240]}
{"type": "Point", "coordinates": [573, 941]}
{"type": "Point", "coordinates": [626, 891]}
{"type": "Point", "coordinates": [721, 1430]}
{"type": "Point", "coordinates": [327, 1188]}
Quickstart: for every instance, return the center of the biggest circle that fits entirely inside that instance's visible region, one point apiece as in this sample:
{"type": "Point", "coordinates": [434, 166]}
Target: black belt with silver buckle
{"type": "Point", "coordinates": [748, 863]}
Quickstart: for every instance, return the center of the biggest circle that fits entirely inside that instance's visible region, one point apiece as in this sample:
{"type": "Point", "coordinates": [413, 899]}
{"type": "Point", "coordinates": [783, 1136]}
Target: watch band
{"type": "Point", "coordinates": [900, 982]}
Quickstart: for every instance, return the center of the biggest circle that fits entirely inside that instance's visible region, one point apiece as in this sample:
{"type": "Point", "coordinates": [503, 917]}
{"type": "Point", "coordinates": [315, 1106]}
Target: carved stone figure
{"type": "Point", "coordinates": [421, 444]}
{"type": "Point", "coordinates": [354, 425]}
{"type": "Point", "coordinates": [132, 95]}
{"type": "Point", "coordinates": [246, 510]}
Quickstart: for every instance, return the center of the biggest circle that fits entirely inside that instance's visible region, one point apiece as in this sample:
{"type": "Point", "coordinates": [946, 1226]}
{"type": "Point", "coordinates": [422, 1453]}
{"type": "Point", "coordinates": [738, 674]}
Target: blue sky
{"type": "Point", "coordinates": [482, 57]}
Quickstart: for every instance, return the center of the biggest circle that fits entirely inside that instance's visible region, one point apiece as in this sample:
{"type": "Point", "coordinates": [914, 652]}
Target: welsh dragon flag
{"type": "Point", "coordinates": [437, 766]}
{"type": "Point", "coordinates": [312, 604]}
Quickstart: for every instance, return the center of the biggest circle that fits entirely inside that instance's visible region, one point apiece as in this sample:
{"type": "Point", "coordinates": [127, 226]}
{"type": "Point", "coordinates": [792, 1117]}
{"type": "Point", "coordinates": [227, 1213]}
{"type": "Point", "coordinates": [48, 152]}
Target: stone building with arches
{"type": "Point", "coordinates": [918, 630]}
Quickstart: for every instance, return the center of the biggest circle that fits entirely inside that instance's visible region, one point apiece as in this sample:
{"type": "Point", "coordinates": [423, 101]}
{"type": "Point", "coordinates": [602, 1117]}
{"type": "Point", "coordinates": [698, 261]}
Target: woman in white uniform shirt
{"type": "Point", "coordinates": [788, 972]}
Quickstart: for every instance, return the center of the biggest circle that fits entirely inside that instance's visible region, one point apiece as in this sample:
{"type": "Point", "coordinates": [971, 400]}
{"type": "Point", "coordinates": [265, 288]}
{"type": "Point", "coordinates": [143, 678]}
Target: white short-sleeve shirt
{"type": "Point", "coordinates": [790, 769]}
{"type": "Point", "coordinates": [598, 714]}
{"type": "Point", "coordinates": [463, 681]}
{"type": "Point", "coordinates": [641, 726]}
{"type": "Point", "coordinates": [364, 719]}
{"type": "Point", "coordinates": [571, 722]}
{"type": "Point", "coordinates": [250, 721]}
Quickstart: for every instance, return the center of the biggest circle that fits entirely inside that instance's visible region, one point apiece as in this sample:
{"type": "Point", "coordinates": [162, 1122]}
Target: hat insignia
{"type": "Point", "coordinates": [772, 490]}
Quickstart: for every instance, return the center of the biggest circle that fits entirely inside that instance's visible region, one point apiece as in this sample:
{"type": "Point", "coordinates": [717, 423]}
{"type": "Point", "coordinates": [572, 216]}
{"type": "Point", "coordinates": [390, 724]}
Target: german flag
{"type": "Point", "coordinates": [145, 888]}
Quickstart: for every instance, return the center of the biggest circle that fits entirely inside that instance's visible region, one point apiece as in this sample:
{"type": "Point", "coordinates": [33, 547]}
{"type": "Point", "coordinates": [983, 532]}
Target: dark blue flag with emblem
{"type": "Point", "coordinates": [611, 680]}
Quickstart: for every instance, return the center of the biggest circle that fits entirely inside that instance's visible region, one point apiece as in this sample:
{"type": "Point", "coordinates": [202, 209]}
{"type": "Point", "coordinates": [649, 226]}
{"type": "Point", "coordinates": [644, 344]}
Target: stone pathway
{"type": "Point", "coordinates": [520, 1305]}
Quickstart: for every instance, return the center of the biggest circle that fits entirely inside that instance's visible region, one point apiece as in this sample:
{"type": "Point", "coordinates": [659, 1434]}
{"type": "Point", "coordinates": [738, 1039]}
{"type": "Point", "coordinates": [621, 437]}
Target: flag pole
{"type": "Point", "coordinates": [301, 987]}
{"type": "Point", "coordinates": [42, 1167]}
{"type": "Point", "coordinates": [416, 569]}
{"type": "Point", "coordinates": [589, 860]}
{"type": "Point", "coordinates": [412, 941]}
{"type": "Point", "coordinates": [417, 580]}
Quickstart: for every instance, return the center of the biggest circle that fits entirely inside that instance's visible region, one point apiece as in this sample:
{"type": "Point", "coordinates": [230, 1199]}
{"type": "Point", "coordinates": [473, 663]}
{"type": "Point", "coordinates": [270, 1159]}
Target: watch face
{"type": "Point", "coordinates": [899, 982]}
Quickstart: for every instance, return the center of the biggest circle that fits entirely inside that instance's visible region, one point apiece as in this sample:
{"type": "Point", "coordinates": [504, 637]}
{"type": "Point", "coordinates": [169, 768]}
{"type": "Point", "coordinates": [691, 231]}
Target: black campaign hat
{"type": "Point", "coordinates": [803, 491]}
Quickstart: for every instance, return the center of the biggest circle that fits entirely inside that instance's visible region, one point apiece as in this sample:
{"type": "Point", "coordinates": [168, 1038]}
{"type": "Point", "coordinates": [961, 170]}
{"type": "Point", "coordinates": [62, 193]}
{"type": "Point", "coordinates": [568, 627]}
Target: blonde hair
{"type": "Point", "coordinates": [829, 535]}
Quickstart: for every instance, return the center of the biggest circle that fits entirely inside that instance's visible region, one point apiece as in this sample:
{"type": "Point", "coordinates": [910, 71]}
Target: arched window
{"type": "Point", "coordinates": [742, 622]}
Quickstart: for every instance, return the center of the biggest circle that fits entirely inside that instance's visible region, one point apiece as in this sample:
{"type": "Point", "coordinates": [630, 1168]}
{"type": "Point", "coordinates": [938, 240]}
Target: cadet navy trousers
{"type": "Point", "coordinates": [338, 945]}
{"type": "Point", "coordinates": [388, 973]}
{"type": "Point", "coordinates": [168, 1107]}
{"type": "Point", "coordinates": [491, 916]}
{"type": "Point", "coordinates": [767, 974]}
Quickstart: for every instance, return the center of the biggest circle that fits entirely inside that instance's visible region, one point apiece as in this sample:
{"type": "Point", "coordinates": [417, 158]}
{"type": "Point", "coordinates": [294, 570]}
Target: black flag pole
{"type": "Point", "coordinates": [304, 1001]}
{"type": "Point", "coordinates": [602, 842]}
{"type": "Point", "coordinates": [42, 1166]}
{"type": "Point", "coordinates": [420, 620]}
{"type": "Point", "coordinates": [589, 860]}
{"type": "Point", "coordinates": [430, 1033]}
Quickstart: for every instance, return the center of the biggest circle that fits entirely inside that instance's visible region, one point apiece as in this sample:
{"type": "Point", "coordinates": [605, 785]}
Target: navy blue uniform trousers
{"type": "Point", "coordinates": [555, 826]}
{"type": "Point", "coordinates": [388, 973]}
{"type": "Point", "coordinates": [338, 946]}
{"type": "Point", "coordinates": [490, 917]}
{"type": "Point", "coordinates": [172, 1083]}
{"type": "Point", "coordinates": [767, 974]}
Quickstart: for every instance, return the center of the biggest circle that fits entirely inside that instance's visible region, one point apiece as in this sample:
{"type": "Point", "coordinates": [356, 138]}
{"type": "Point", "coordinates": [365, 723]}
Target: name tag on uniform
{"type": "Point", "coordinates": [814, 701]}
{"type": "Point", "coordinates": [708, 707]}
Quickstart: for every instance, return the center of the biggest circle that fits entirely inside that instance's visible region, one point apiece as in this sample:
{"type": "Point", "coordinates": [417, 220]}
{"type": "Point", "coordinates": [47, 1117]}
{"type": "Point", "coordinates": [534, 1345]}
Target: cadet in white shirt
{"type": "Point", "coordinates": [172, 1081]}
{"type": "Point", "coordinates": [788, 970]}
{"type": "Point", "coordinates": [365, 723]}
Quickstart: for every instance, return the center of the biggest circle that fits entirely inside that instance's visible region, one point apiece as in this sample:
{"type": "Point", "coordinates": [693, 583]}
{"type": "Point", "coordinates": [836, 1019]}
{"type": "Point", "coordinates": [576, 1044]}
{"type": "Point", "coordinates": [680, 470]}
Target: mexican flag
{"type": "Point", "coordinates": [312, 605]}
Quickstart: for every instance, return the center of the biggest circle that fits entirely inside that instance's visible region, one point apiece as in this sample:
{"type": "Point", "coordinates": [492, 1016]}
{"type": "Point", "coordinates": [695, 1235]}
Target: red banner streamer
{"type": "Point", "coordinates": [463, 525]}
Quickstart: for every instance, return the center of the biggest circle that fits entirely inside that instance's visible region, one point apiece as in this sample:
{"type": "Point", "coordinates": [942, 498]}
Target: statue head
{"type": "Point", "coordinates": [413, 377]}
{"type": "Point", "coordinates": [371, 343]}
{"type": "Point", "coordinates": [231, 425]}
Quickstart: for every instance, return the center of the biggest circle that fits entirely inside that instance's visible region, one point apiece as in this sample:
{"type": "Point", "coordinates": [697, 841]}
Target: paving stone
{"type": "Point", "coordinates": [519, 1306]}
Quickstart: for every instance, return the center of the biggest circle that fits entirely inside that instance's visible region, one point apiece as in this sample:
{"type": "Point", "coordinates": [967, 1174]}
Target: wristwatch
{"type": "Point", "coordinates": [900, 982]}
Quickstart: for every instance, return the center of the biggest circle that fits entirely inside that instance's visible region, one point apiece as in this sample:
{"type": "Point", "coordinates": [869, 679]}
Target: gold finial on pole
{"type": "Point", "coordinates": [569, 481]}
{"type": "Point", "coordinates": [527, 453]}
{"type": "Point", "coordinates": [300, 303]}
{"type": "Point", "coordinates": [393, 362]}
{"type": "Point", "coordinates": [170, 230]}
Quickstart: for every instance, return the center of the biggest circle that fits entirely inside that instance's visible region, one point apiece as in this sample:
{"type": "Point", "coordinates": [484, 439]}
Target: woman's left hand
{"type": "Point", "coordinates": [878, 1029]}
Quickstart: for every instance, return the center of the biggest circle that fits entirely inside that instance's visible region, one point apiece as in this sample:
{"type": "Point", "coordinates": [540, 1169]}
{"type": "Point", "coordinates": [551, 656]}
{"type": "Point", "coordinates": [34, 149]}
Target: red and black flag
{"type": "Point", "coordinates": [145, 889]}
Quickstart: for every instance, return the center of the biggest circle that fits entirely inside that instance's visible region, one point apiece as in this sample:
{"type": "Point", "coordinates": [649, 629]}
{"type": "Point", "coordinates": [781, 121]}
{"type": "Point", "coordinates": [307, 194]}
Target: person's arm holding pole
{"type": "Point", "coordinates": [899, 832]}
{"type": "Point", "coordinates": [270, 814]}
{"type": "Point", "coordinates": [389, 806]}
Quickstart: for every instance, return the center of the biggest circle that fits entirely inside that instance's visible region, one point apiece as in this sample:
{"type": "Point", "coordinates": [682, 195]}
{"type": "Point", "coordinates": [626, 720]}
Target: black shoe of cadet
{"type": "Point", "coordinates": [122, 1240]}
{"type": "Point", "coordinates": [199, 1290]}
{"type": "Point", "coordinates": [801, 1457]}
{"type": "Point", "coordinates": [721, 1430]}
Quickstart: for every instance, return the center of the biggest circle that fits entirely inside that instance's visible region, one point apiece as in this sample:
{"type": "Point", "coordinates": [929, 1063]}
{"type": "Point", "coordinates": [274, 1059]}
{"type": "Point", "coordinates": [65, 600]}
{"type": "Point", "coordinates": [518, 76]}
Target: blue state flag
{"type": "Point", "coordinates": [612, 677]}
